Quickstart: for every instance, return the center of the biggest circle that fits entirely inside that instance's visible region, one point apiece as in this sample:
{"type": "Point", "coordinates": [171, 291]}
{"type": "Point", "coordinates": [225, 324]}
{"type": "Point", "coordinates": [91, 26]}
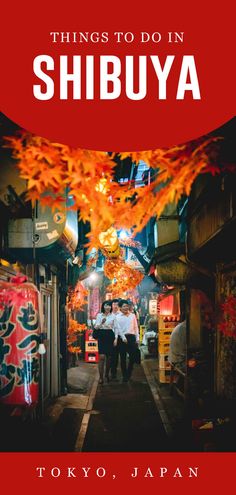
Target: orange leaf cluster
{"type": "Point", "coordinates": [75, 327]}
{"type": "Point", "coordinates": [124, 278]}
{"type": "Point", "coordinates": [121, 288]}
{"type": "Point", "coordinates": [51, 168]}
{"type": "Point", "coordinates": [77, 297]}
{"type": "Point", "coordinates": [129, 242]}
{"type": "Point", "coordinates": [74, 350]}
{"type": "Point", "coordinates": [74, 330]}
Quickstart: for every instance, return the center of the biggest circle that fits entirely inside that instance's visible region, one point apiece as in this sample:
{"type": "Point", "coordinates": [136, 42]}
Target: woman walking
{"type": "Point", "coordinates": [105, 332]}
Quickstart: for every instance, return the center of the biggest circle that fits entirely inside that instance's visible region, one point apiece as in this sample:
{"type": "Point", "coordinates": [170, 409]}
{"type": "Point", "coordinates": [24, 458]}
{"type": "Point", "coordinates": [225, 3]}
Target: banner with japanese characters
{"type": "Point", "coordinates": [19, 341]}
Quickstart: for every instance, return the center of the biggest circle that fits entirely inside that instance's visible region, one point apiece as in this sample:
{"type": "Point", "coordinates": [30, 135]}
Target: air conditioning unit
{"type": "Point", "coordinates": [52, 236]}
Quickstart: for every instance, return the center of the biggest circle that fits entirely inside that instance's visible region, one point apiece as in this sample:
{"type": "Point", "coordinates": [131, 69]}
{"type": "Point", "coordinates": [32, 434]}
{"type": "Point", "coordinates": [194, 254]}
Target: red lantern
{"type": "Point", "coordinates": [19, 341]}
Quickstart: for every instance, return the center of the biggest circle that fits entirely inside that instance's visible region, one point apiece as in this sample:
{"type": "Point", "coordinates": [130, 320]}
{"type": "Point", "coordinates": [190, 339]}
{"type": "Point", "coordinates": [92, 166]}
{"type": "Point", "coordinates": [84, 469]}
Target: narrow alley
{"type": "Point", "coordinates": [137, 416]}
{"type": "Point", "coordinates": [117, 296]}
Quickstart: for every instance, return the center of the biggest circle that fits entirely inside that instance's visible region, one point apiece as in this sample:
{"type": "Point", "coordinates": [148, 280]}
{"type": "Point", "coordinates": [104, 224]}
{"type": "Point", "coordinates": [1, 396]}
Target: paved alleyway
{"type": "Point", "coordinates": [125, 418]}
{"type": "Point", "coordinates": [60, 426]}
{"type": "Point", "coordinates": [114, 417]}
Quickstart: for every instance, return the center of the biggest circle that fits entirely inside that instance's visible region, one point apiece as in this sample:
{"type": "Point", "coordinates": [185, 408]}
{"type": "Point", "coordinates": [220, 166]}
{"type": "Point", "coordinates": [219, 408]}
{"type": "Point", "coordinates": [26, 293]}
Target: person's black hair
{"type": "Point", "coordinates": [103, 304]}
{"type": "Point", "coordinates": [123, 301]}
{"type": "Point", "coordinates": [115, 301]}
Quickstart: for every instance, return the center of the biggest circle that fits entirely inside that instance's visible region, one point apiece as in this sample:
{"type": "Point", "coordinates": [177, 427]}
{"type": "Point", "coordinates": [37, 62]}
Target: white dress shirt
{"type": "Point", "coordinates": [127, 324]}
{"type": "Point", "coordinates": [110, 322]}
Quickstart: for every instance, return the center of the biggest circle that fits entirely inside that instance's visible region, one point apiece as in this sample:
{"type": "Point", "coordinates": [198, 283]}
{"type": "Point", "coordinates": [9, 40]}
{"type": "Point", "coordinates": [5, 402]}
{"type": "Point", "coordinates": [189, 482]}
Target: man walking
{"type": "Point", "coordinates": [115, 353]}
{"type": "Point", "coordinates": [128, 338]}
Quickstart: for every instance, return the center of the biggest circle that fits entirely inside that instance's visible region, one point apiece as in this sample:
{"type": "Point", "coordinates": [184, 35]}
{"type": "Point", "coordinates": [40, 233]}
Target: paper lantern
{"type": "Point", "coordinates": [109, 243]}
{"type": "Point", "coordinates": [19, 342]}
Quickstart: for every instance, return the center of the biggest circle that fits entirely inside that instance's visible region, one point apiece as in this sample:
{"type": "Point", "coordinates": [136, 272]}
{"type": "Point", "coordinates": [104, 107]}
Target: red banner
{"type": "Point", "coordinates": [183, 473]}
{"type": "Point", "coordinates": [94, 302]}
{"type": "Point", "coordinates": [19, 340]}
{"type": "Point", "coordinates": [125, 78]}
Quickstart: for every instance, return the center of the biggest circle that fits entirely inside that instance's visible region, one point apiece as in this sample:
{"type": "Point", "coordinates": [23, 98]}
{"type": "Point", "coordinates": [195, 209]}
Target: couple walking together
{"type": "Point", "coordinates": [116, 330]}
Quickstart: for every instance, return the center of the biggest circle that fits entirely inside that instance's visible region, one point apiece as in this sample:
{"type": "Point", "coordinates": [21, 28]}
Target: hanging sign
{"type": "Point", "coordinates": [94, 303]}
{"type": "Point", "coordinates": [19, 341]}
{"type": "Point", "coordinates": [153, 307]}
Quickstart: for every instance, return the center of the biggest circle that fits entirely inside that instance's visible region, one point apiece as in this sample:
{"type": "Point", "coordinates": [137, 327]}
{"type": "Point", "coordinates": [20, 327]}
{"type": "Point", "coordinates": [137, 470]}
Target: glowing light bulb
{"type": "Point", "coordinates": [123, 235]}
{"type": "Point", "coordinates": [93, 277]}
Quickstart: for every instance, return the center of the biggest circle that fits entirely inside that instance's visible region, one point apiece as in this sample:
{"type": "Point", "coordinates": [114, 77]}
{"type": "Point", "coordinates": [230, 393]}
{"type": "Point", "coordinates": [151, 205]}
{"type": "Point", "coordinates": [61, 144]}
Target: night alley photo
{"type": "Point", "coordinates": [117, 296]}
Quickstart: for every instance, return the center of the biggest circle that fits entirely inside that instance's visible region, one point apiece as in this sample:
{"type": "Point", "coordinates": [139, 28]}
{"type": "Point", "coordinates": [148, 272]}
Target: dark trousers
{"type": "Point", "coordinates": [123, 350]}
{"type": "Point", "coordinates": [114, 360]}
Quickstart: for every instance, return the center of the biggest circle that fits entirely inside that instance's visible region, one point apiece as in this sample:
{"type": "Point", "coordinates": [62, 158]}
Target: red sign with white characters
{"type": "Point", "coordinates": [94, 302]}
{"type": "Point", "coordinates": [124, 79]}
{"type": "Point", "coordinates": [19, 340]}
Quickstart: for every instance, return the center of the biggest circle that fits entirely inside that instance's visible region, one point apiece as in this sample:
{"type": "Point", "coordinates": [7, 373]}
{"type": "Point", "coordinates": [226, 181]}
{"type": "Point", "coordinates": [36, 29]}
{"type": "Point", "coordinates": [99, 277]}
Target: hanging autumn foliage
{"type": "Point", "coordinates": [227, 324]}
{"type": "Point", "coordinates": [51, 168]}
{"type": "Point", "coordinates": [74, 331]}
{"type": "Point", "coordinates": [130, 242]}
{"type": "Point", "coordinates": [75, 327]}
{"type": "Point", "coordinates": [124, 278]}
{"type": "Point", "coordinates": [76, 297]}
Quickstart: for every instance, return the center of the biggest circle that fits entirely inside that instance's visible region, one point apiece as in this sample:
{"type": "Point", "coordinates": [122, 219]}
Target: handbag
{"type": "Point", "coordinates": [137, 355]}
{"type": "Point", "coordinates": [95, 333]}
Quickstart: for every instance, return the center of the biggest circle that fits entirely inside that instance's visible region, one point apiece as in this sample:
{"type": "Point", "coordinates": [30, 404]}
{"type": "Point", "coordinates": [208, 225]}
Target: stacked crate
{"type": "Point", "coordinates": [141, 333]}
{"type": "Point", "coordinates": [166, 325]}
{"type": "Point", "coordinates": [91, 348]}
